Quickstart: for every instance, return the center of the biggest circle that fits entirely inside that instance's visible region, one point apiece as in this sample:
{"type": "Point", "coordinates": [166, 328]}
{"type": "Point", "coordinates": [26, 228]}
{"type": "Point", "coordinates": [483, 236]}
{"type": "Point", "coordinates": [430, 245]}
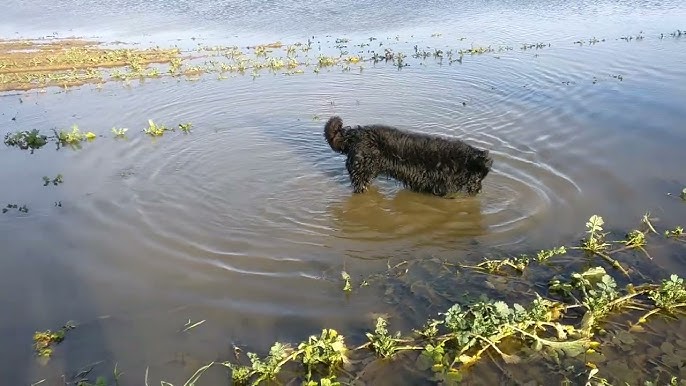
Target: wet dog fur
{"type": "Point", "coordinates": [423, 163]}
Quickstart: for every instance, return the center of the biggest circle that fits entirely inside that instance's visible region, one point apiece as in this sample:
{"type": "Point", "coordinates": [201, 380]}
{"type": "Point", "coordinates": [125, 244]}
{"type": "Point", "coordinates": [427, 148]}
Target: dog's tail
{"type": "Point", "coordinates": [334, 134]}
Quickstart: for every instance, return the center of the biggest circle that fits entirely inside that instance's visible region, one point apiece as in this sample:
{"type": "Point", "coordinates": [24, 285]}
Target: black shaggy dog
{"type": "Point", "coordinates": [426, 164]}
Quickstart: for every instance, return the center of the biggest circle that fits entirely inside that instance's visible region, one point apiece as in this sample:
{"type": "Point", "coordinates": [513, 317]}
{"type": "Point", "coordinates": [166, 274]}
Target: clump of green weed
{"type": "Point", "coordinates": [669, 297]}
{"type": "Point", "coordinates": [383, 344]}
{"type": "Point", "coordinates": [346, 277]}
{"type": "Point", "coordinates": [519, 263]}
{"type": "Point", "coordinates": [185, 127]}
{"type": "Point", "coordinates": [595, 244]}
{"type": "Point", "coordinates": [75, 136]}
{"type": "Point", "coordinates": [55, 181]}
{"type": "Point", "coordinates": [674, 233]}
{"type": "Point", "coordinates": [119, 133]}
{"type": "Point", "coordinates": [466, 332]}
{"type": "Point", "coordinates": [325, 61]}
{"type": "Point", "coordinates": [26, 140]}
{"type": "Point", "coordinates": [599, 294]}
{"type": "Point", "coordinates": [324, 353]}
{"type": "Point", "coordinates": [327, 350]}
{"type": "Point", "coordinates": [263, 370]}
{"type": "Point", "coordinates": [474, 328]}
{"type": "Point", "coordinates": [43, 341]}
{"type": "Point", "coordinates": [23, 208]}
{"type": "Point", "coordinates": [475, 50]}
{"type": "Point", "coordinates": [155, 130]}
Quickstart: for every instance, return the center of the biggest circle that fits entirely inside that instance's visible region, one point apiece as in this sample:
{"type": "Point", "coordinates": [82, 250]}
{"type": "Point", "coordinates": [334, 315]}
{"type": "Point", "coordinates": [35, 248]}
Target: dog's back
{"type": "Point", "coordinates": [430, 150]}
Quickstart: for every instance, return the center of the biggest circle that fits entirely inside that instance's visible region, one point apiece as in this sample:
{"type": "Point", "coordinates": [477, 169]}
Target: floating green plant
{"type": "Point", "coordinates": [536, 46]}
{"type": "Point", "coordinates": [44, 341]}
{"type": "Point", "coordinates": [22, 209]}
{"type": "Point", "coordinates": [185, 127]}
{"type": "Point", "coordinates": [55, 181]}
{"type": "Point", "coordinates": [346, 277]}
{"type": "Point", "coordinates": [476, 50]}
{"type": "Point", "coordinates": [382, 342]}
{"type": "Point", "coordinates": [675, 233]}
{"type": "Point", "coordinates": [26, 139]}
{"type": "Point", "coordinates": [326, 61]}
{"type": "Point", "coordinates": [119, 133]}
{"type": "Point", "coordinates": [324, 353]}
{"type": "Point", "coordinates": [74, 137]}
{"type": "Point", "coordinates": [518, 263]}
{"type": "Point", "coordinates": [155, 130]}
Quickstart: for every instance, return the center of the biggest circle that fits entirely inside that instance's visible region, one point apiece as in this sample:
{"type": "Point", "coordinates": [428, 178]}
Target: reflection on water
{"type": "Point", "coordinates": [248, 221]}
{"type": "Point", "coordinates": [407, 215]}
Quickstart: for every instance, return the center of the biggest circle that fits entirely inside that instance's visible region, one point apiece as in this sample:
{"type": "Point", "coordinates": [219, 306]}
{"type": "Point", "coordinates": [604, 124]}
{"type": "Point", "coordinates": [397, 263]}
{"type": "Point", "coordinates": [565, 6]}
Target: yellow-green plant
{"type": "Point", "coordinates": [119, 133]}
{"type": "Point", "coordinates": [154, 129]}
{"type": "Point", "coordinates": [75, 136]}
{"type": "Point", "coordinates": [185, 127]}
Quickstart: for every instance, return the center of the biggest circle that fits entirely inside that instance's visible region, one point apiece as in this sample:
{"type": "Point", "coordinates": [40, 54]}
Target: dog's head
{"type": "Point", "coordinates": [478, 167]}
{"type": "Point", "coordinates": [335, 134]}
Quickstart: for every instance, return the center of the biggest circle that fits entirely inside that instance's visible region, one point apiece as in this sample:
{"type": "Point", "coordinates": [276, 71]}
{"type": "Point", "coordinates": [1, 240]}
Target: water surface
{"type": "Point", "coordinates": [248, 221]}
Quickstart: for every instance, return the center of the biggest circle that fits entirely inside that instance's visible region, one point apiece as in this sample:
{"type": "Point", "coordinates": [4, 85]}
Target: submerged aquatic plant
{"type": "Point", "coordinates": [518, 263]}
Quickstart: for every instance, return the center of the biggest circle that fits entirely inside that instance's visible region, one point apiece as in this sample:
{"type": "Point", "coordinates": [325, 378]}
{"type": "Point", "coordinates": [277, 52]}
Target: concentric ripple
{"type": "Point", "coordinates": [249, 195]}
{"type": "Point", "coordinates": [253, 199]}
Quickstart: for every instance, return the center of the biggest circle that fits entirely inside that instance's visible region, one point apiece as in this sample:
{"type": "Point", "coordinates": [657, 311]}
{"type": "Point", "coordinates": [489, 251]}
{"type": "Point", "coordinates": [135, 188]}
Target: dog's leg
{"type": "Point", "coordinates": [362, 170]}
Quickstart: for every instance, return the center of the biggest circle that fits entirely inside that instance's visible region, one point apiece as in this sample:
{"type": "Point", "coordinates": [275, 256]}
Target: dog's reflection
{"type": "Point", "coordinates": [403, 214]}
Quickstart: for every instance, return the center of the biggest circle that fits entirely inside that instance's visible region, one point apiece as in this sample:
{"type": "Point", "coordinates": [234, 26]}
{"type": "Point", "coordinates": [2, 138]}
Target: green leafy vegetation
{"type": "Point", "coordinates": [23, 208]}
{"type": "Point", "coordinates": [74, 137]}
{"type": "Point", "coordinates": [28, 64]}
{"type": "Point", "coordinates": [119, 133]}
{"type": "Point", "coordinates": [44, 341]}
{"type": "Point", "coordinates": [347, 287]}
{"type": "Point", "coordinates": [155, 129]}
{"type": "Point", "coordinates": [26, 140]}
{"type": "Point", "coordinates": [322, 354]}
{"type": "Point", "coordinates": [55, 181]}
{"type": "Point", "coordinates": [569, 325]}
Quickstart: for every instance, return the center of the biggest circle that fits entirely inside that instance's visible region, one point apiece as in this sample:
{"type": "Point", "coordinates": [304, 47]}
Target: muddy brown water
{"type": "Point", "coordinates": [247, 222]}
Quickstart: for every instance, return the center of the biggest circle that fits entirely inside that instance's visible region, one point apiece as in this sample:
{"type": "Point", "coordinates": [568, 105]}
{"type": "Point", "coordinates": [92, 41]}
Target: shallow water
{"type": "Point", "coordinates": [248, 221]}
